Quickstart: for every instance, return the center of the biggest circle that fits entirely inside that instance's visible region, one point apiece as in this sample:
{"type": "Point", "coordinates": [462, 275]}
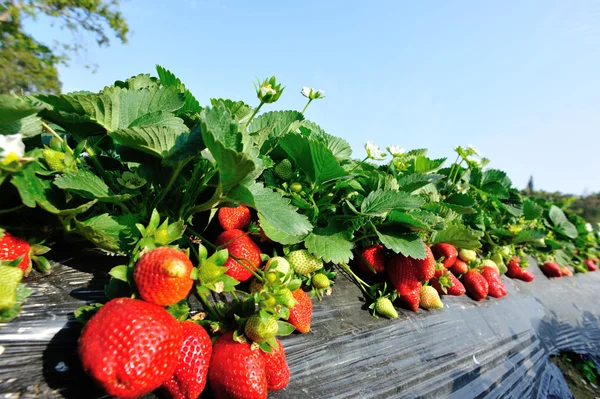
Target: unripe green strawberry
{"type": "Point", "coordinates": [288, 299]}
{"type": "Point", "coordinates": [320, 281]}
{"type": "Point", "coordinates": [284, 170]}
{"type": "Point", "coordinates": [384, 307]}
{"type": "Point", "coordinates": [303, 262]}
{"type": "Point", "coordinates": [281, 265]}
{"type": "Point", "coordinates": [490, 263]}
{"type": "Point", "coordinates": [296, 187]}
{"type": "Point", "coordinates": [54, 159]}
{"type": "Point", "coordinates": [467, 255]}
{"type": "Point", "coordinates": [430, 299]}
{"type": "Point", "coordinates": [260, 331]}
{"type": "Point", "coordinates": [10, 277]}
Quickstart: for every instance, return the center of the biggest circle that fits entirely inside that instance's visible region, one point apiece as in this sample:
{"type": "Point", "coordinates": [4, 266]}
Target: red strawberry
{"type": "Point", "coordinates": [236, 370]}
{"type": "Point", "coordinates": [241, 246]}
{"type": "Point", "coordinates": [526, 275]}
{"type": "Point", "coordinates": [425, 268]}
{"type": "Point", "coordinates": [12, 247]}
{"type": "Point", "coordinates": [591, 265]}
{"type": "Point", "coordinates": [237, 218]}
{"type": "Point", "coordinates": [276, 368]}
{"type": "Point", "coordinates": [551, 269]}
{"type": "Point", "coordinates": [189, 379]}
{"type": "Point", "coordinates": [371, 259]}
{"type": "Point", "coordinates": [514, 268]}
{"type": "Point", "coordinates": [162, 276]}
{"type": "Point", "coordinates": [448, 251]}
{"type": "Point", "coordinates": [130, 347]}
{"type": "Point", "coordinates": [566, 271]}
{"type": "Point", "coordinates": [301, 312]}
{"type": "Point", "coordinates": [401, 273]}
{"type": "Point", "coordinates": [459, 267]}
{"type": "Point", "coordinates": [476, 285]}
{"type": "Point", "coordinates": [496, 287]}
{"type": "Point", "coordinates": [446, 283]}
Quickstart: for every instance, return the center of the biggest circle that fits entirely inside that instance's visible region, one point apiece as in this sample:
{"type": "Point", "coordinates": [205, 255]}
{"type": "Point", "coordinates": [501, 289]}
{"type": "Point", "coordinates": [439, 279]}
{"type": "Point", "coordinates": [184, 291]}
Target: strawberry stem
{"type": "Point", "coordinates": [361, 284]}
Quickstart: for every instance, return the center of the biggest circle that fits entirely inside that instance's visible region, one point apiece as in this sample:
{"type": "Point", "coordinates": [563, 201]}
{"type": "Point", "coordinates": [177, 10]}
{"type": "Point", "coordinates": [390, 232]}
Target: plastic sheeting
{"type": "Point", "coordinates": [493, 349]}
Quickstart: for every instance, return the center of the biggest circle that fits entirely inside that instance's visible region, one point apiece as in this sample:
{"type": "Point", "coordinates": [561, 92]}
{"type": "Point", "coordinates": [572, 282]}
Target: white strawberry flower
{"type": "Point", "coordinates": [395, 150]}
{"type": "Point", "coordinates": [206, 154]}
{"type": "Point", "coordinates": [373, 151]}
{"type": "Point", "coordinates": [312, 94]}
{"type": "Point", "coordinates": [588, 227]}
{"type": "Point", "coordinates": [11, 147]}
{"type": "Point", "coordinates": [473, 150]}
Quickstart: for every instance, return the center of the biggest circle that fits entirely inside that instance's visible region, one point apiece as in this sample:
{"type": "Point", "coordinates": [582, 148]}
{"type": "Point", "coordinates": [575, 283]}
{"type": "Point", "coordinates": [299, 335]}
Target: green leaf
{"type": "Point", "coordinates": [422, 164]}
{"type": "Point", "coordinates": [380, 202]}
{"type": "Point", "coordinates": [313, 157]}
{"type": "Point", "coordinates": [459, 236]}
{"type": "Point", "coordinates": [272, 208]}
{"type": "Point", "coordinates": [529, 235]}
{"type": "Point", "coordinates": [270, 126]}
{"type": "Point", "coordinates": [179, 310]}
{"type": "Point", "coordinates": [115, 234]}
{"type": "Point", "coordinates": [84, 313]}
{"type": "Point", "coordinates": [561, 223]}
{"type": "Point", "coordinates": [531, 210]}
{"type": "Point", "coordinates": [87, 185]}
{"type": "Point", "coordinates": [278, 235]}
{"type": "Point", "coordinates": [13, 109]}
{"type": "Point", "coordinates": [332, 244]}
{"type": "Point", "coordinates": [36, 190]}
{"type": "Point", "coordinates": [221, 136]}
{"type": "Point", "coordinates": [407, 244]}
{"type": "Point", "coordinates": [284, 328]}
{"type": "Point", "coordinates": [123, 273]}
{"type": "Point", "coordinates": [414, 181]}
{"type": "Point", "coordinates": [562, 258]}
{"type": "Point", "coordinates": [239, 111]}
{"type": "Point", "coordinates": [416, 220]}
{"type": "Point", "coordinates": [30, 126]}
{"type": "Point", "coordinates": [339, 147]}
{"type": "Point", "coordinates": [169, 79]}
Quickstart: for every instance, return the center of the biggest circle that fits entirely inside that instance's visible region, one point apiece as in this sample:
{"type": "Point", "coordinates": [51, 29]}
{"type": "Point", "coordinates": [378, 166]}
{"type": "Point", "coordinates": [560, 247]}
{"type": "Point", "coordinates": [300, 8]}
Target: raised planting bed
{"type": "Point", "coordinates": [493, 348]}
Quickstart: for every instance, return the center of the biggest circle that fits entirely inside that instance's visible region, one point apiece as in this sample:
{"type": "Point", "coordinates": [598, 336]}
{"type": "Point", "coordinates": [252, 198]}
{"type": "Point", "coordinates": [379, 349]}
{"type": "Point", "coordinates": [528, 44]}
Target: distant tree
{"type": "Point", "coordinates": [530, 185]}
{"type": "Point", "coordinates": [26, 64]}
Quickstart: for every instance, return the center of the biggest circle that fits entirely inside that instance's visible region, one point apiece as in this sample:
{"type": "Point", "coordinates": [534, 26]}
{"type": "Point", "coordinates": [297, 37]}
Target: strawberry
{"type": "Point", "coordinates": [236, 370]}
{"type": "Point", "coordinates": [320, 281]}
{"type": "Point", "coordinates": [10, 277]}
{"type": "Point", "coordinates": [514, 268]}
{"type": "Point", "coordinates": [130, 347]}
{"type": "Point", "coordinates": [371, 259]}
{"type": "Point", "coordinates": [429, 298]}
{"type": "Point", "coordinates": [490, 263]}
{"type": "Point", "coordinates": [566, 271]}
{"type": "Point", "coordinates": [162, 276]}
{"type": "Point", "coordinates": [303, 262]}
{"type": "Point", "coordinates": [189, 379]}
{"type": "Point", "coordinates": [467, 255]}
{"type": "Point", "coordinates": [526, 275]}
{"type": "Point", "coordinates": [476, 285]}
{"type": "Point", "coordinates": [424, 268]}
{"type": "Point", "coordinates": [231, 218]}
{"type": "Point", "coordinates": [260, 330]}
{"type": "Point", "coordinates": [276, 368]}
{"type": "Point", "coordinates": [447, 251]}
{"type": "Point", "coordinates": [241, 246]}
{"type": "Point", "coordinates": [459, 267]}
{"type": "Point", "coordinates": [591, 265]}
{"type": "Point", "coordinates": [384, 307]}
{"type": "Point", "coordinates": [54, 159]}
{"type": "Point", "coordinates": [551, 269]}
{"type": "Point", "coordinates": [402, 275]}
{"type": "Point", "coordinates": [301, 312]}
{"type": "Point", "coordinates": [12, 247]}
{"type": "Point", "coordinates": [284, 170]}
{"type": "Point", "coordinates": [446, 283]}
{"type": "Point", "coordinates": [496, 287]}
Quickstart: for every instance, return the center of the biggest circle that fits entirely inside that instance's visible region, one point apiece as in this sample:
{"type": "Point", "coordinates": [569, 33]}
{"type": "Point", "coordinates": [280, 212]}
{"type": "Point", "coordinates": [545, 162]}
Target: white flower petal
{"type": "Point", "coordinates": [395, 150]}
{"type": "Point", "coordinates": [306, 92]}
{"type": "Point", "coordinates": [206, 154]}
{"type": "Point", "coordinates": [12, 143]}
{"type": "Point", "coordinates": [588, 227]}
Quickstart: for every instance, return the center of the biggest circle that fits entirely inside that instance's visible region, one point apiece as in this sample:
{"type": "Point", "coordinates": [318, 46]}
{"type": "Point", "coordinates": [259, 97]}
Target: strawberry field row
{"type": "Point", "coordinates": [254, 214]}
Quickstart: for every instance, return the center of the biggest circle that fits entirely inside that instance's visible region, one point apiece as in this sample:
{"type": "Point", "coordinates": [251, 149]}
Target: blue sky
{"type": "Point", "coordinates": [518, 80]}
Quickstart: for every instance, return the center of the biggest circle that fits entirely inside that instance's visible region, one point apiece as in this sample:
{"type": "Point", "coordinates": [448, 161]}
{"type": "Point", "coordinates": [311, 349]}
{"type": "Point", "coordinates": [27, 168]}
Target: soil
{"type": "Point", "coordinates": [580, 387]}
